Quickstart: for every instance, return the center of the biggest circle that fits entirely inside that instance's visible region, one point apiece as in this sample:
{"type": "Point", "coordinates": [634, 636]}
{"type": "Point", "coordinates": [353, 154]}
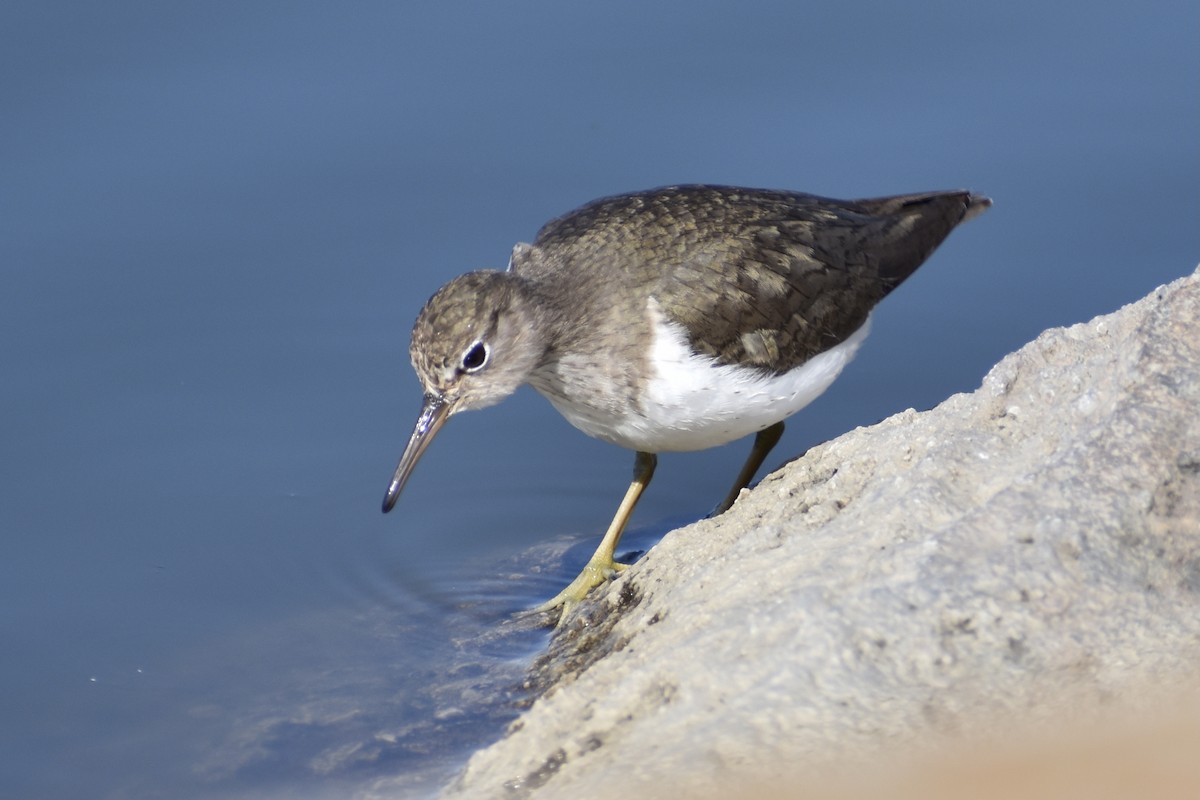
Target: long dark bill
{"type": "Point", "coordinates": [434, 413]}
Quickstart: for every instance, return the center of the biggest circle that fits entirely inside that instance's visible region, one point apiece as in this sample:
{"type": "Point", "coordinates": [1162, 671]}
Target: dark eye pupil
{"type": "Point", "coordinates": [475, 357]}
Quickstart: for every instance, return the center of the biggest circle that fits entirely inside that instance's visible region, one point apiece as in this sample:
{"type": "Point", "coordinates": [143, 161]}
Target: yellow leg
{"type": "Point", "coordinates": [764, 441]}
{"type": "Point", "coordinates": [601, 565]}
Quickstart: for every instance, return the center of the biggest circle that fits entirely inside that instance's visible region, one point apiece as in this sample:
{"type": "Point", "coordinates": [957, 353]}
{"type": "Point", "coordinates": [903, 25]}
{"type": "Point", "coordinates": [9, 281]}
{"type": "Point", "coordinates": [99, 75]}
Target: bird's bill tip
{"type": "Point", "coordinates": [392, 495]}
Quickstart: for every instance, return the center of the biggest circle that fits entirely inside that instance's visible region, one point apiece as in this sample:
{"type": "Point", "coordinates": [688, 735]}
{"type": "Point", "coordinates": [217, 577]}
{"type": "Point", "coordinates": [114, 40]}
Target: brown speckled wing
{"type": "Point", "coordinates": [756, 277]}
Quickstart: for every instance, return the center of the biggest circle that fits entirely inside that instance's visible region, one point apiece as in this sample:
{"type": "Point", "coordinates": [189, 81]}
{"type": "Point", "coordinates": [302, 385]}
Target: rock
{"type": "Point", "coordinates": [1027, 552]}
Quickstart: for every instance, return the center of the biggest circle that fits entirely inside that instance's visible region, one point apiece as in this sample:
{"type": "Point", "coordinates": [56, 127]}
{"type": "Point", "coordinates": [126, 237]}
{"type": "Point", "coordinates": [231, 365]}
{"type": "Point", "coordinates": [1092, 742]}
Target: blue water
{"type": "Point", "coordinates": [217, 222]}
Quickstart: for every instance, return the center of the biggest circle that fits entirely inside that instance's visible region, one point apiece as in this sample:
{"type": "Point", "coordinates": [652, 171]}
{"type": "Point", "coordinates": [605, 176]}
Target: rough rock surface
{"type": "Point", "coordinates": [1027, 551]}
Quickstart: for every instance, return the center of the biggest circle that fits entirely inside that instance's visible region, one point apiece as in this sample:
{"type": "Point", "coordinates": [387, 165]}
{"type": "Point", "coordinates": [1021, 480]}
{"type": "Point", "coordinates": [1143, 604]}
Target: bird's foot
{"type": "Point", "coordinates": [594, 573]}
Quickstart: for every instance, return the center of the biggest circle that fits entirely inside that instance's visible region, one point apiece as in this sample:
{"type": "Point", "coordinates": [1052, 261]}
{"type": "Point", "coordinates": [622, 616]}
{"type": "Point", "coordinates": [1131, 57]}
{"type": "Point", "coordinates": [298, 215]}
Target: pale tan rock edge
{"type": "Point", "coordinates": [1021, 554]}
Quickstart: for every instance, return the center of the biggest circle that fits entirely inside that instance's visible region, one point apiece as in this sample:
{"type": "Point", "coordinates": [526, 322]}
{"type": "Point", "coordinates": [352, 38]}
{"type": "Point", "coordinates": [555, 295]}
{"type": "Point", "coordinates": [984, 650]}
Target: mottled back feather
{"type": "Point", "coordinates": [762, 278]}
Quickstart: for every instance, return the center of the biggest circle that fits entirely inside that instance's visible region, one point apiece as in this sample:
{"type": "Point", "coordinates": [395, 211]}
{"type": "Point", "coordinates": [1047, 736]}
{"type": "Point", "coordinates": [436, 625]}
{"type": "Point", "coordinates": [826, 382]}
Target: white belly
{"type": "Point", "coordinates": [693, 403]}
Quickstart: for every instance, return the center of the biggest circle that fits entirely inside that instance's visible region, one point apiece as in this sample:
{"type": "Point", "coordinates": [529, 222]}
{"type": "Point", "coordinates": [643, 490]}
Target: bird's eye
{"type": "Point", "coordinates": [475, 357]}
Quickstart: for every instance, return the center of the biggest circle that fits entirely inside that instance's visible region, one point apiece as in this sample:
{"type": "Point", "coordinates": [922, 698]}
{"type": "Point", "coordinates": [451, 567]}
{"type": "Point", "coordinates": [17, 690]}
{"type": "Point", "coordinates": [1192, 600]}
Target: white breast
{"type": "Point", "coordinates": [693, 403]}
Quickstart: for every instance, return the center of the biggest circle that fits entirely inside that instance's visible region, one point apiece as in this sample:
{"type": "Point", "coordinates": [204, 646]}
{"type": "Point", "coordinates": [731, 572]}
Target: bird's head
{"type": "Point", "coordinates": [474, 343]}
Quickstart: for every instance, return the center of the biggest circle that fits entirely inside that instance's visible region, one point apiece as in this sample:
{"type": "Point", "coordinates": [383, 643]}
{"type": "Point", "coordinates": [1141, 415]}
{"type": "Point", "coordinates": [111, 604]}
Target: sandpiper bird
{"type": "Point", "coordinates": [673, 319]}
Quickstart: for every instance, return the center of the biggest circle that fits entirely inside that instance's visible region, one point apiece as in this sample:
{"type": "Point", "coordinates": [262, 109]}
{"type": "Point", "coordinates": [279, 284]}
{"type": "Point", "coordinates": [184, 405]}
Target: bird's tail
{"type": "Point", "coordinates": [976, 205]}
